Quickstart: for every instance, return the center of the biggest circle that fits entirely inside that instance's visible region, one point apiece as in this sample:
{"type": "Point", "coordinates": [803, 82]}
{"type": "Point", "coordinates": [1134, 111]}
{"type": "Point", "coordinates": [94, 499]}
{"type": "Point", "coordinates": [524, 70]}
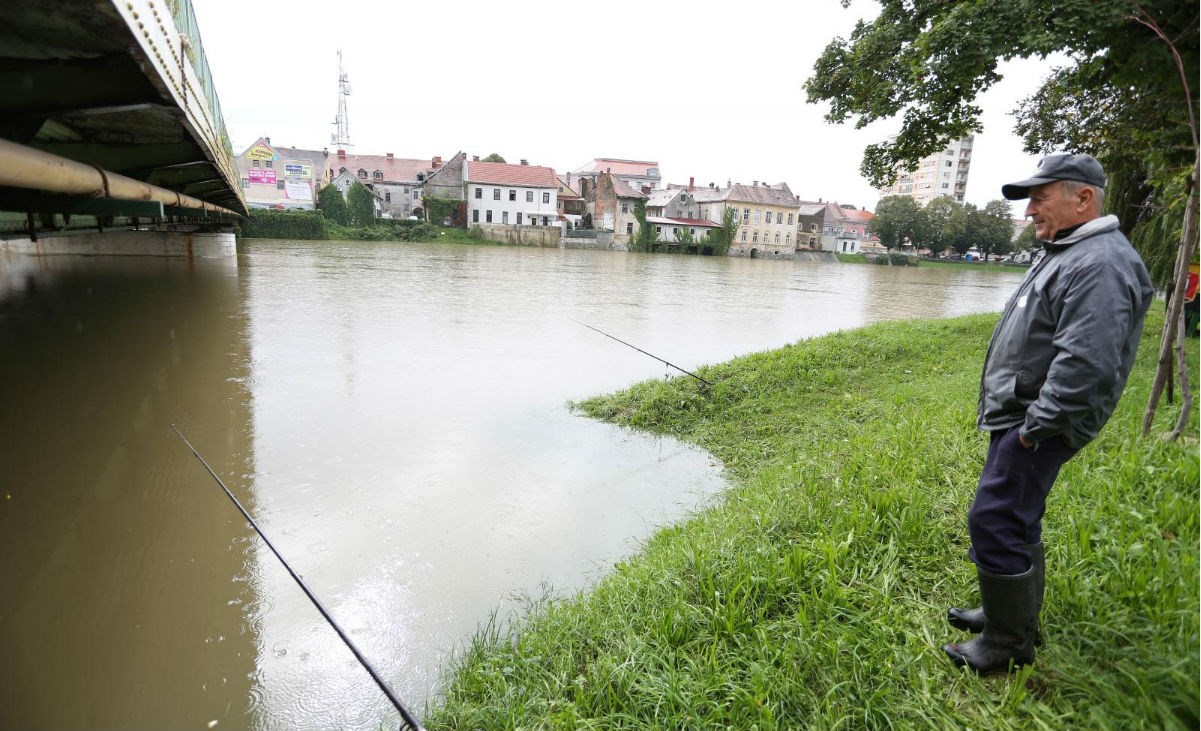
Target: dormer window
{"type": "Point", "coordinates": [362, 174]}
{"type": "Point", "coordinates": [652, 172]}
{"type": "Point", "coordinates": [341, 170]}
{"type": "Point", "coordinates": [377, 175]}
{"type": "Point", "coordinates": [420, 177]}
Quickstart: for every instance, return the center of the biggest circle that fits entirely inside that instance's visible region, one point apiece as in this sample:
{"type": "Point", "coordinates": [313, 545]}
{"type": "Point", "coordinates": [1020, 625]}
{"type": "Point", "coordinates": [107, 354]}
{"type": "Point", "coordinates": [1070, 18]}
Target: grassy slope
{"type": "Point", "coordinates": [813, 594]}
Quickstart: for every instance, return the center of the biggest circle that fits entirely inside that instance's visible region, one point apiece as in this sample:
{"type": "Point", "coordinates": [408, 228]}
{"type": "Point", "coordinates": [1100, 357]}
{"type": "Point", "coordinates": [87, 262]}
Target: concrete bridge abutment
{"type": "Point", "coordinates": [205, 245]}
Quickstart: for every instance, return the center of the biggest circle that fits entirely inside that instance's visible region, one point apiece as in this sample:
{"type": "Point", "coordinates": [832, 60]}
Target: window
{"type": "Point", "coordinates": [659, 229]}
{"type": "Point", "coordinates": [758, 215]}
{"type": "Point", "coordinates": [625, 207]}
{"type": "Point", "coordinates": [362, 174]}
{"type": "Point", "coordinates": [946, 185]}
{"type": "Point", "coordinates": [630, 229]}
{"type": "Point", "coordinates": [692, 231]}
{"type": "Point", "coordinates": [479, 193]}
{"type": "Point", "coordinates": [488, 216]}
{"type": "Point", "coordinates": [948, 163]}
{"type": "Point", "coordinates": [270, 163]}
{"type": "Point", "coordinates": [504, 216]}
{"type": "Point", "coordinates": [377, 175]}
{"type": "Point", "coordinates": [529, 196]}
{"type": "Point", "coordinates": [674, 232]}
{"type": "Point", "coordinates": [519, 218]}
{"type": "Point", "coordinates": [416, 195]}
{"type": "Point", "coordinates": [787, 239]}
{"type": "Point", "coordinates": [780, 217]}
{"type": "Point", "coordinates": [777, 237]}
{"type": "Point", "coordinates": [546, 197]}
{"type": "Point", "coordinates": [813, 227]}
{"type": "Point", "coordinates": [789, 219]}
{"type": "Point", "coordinates": [406, 191]}
{"type": "Point", "coordinates": [420, 177]}
{"type": "Point", "coordinates": [387, 196]}
{"type": "Point", "coordinates": [496, 194]}
{"type": "Point", "coordinates": [746, 215]}
{"type": "Point", "coordinates": [512, 195]}
{"type": "Point", "coordinates": [744, 235]}
{"type": "Point", "coordinates": [475, 216]}
{"type": "Point", "coordinates": [255, 163]}
{"type": "Point", "coordinates": [245, 182]}
{"type": "Point", "coordinates": [340, 170]}
{"type": "Point", "coordinates": [545, 220]}
{"type": "Point", "coordinates": [755, 238]}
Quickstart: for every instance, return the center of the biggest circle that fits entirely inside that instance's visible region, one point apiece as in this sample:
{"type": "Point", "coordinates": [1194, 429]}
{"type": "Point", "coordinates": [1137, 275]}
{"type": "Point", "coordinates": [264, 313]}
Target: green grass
{"type": "Point", "coordinates": [813, 594]}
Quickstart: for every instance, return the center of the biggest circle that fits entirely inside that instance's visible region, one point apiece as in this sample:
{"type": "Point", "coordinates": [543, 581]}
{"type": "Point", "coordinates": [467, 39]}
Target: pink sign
{"type": "Point", "coordinates": [262, 176]}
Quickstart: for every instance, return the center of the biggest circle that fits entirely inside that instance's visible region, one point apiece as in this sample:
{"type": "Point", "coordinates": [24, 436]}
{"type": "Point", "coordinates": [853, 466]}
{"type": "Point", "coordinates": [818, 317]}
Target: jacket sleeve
{"type": "Point", "coordinates": [1097, 310]}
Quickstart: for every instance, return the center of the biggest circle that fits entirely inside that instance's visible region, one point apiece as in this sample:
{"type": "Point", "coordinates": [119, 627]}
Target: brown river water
{"type": "Point", "coordinates": [396, 418]}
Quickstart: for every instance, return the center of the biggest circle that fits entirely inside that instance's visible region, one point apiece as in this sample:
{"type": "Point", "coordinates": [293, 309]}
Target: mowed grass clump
{"type": "Point", "coordinates": [813, 594]}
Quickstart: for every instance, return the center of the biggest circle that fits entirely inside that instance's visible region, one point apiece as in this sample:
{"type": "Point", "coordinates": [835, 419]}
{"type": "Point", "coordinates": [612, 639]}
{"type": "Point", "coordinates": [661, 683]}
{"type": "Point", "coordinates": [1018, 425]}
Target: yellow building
{"type": "Point", "coordinates": [767, 217]}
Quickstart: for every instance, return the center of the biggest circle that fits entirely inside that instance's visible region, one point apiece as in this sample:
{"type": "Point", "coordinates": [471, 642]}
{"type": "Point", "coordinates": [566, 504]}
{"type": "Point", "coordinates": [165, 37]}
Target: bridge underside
{"type": "Point", "coordinates": [114, 87]}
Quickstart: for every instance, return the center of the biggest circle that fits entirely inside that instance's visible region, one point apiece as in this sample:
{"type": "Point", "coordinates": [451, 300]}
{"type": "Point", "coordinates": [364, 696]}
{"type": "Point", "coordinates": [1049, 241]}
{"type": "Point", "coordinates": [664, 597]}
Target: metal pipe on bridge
{"type": "Point", "coordinates": [26, 167]}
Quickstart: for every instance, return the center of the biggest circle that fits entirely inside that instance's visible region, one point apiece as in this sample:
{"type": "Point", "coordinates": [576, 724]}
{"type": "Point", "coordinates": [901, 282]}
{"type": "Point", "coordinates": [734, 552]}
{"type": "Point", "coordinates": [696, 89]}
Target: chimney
{"type": "Point", "coordinates": [341, 153]}
{"type": "Point", "coordinates": [754, 183]}
{"type": "Point", "coordinates": [691, 182]}
{"type": "Point", "coordinates": [389, 156]}
{"type": "Point", "coordinates": [475, 158]}
{"type": "Point", "coordinates": [268, 140]}
{"type": "Point", "coordinates": [436, 162]}
{"type": "Point", "coordinates": [568, 180]}
{"type": "Point", "coordinates": [525, 162]}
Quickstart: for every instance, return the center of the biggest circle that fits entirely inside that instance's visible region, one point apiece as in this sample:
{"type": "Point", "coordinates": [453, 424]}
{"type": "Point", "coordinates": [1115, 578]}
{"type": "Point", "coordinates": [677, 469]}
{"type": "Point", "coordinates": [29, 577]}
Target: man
{"type": "Point", "coordinates": [1055, 367]}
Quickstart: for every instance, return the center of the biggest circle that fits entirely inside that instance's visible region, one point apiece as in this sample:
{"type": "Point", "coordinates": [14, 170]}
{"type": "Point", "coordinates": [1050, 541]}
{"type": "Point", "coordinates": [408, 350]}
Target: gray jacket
{"type": "Point", "coordinates": [1063, 348]}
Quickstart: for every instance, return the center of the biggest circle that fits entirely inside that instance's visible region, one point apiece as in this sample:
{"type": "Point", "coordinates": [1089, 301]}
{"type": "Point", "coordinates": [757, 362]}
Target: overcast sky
{"type": "Point", "coordinates": [712, 94]}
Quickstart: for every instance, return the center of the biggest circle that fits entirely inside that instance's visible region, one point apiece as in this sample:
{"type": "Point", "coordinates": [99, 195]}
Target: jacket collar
{"type": "Point", "coordinates": [1091, 228]}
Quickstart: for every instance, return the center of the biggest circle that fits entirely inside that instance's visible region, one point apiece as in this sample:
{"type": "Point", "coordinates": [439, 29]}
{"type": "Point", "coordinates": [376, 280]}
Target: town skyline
{"type": "Point", "coordinates": [719, 103]}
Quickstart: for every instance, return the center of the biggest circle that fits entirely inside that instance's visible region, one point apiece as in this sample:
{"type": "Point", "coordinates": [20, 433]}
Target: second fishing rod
{"type": "Point", "coordinates": [706, 383]}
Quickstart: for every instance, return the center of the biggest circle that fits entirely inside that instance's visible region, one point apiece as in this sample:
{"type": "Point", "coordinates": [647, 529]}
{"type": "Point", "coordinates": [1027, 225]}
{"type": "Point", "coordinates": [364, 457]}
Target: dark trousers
{"type": "Point", "coordinates": [1007, 514]}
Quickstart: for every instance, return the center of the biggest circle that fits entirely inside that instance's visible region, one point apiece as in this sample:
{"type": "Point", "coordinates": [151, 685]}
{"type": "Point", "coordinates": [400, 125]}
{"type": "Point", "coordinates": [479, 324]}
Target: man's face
{"type": "Point", "coordinates": [1054, 209]}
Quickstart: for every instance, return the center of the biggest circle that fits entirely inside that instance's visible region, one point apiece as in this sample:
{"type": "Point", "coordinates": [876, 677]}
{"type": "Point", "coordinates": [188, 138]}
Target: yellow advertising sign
{"type": "Point", "coordinates": [261, 152]}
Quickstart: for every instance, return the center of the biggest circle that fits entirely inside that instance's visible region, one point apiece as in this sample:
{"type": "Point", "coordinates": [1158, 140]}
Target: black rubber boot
{"type": "Point", "coordinates": [972, 620]}
{"type": "Point", "coordinates": [1010, 618]}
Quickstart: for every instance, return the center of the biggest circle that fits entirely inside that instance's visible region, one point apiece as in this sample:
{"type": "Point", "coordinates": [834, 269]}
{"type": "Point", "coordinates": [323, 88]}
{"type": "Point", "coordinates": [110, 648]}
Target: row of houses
{"type": "Point", "coordinates": [773, 222]}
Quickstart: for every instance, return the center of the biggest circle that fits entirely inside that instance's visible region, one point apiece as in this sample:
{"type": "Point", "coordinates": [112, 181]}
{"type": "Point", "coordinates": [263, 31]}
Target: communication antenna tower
{"type": "Point", "coordinates": [341, 138]}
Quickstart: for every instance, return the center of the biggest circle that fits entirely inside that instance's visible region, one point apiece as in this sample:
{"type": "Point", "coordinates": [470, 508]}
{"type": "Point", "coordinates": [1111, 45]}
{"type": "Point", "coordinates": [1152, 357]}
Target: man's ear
{"type": "Point", "coordinates": [1086, 197]}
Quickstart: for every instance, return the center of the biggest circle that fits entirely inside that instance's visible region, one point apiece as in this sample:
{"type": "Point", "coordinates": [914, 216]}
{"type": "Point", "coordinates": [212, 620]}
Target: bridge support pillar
{"type": "Point", "coordinates": [138, 243]}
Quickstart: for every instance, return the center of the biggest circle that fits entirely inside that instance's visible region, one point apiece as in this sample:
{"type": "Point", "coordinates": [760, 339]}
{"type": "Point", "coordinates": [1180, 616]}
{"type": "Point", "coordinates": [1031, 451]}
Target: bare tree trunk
{"type": "Point", "coordinates": [1186, 395]}
{"type": "Point", "coordinates": [1173, 320]}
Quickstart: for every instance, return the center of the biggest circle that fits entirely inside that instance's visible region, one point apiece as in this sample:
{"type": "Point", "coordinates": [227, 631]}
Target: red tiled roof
{"type": "Point", "coordinates": [500, 173]}
{"type": "Point", "coordinates": [395, 169]}
{"type": "Point", "coordinates": [858, 216]}
{"type": "Point", "coordinates": [764, 194]}
{"type": "Point", "coordinates": [619, 167]}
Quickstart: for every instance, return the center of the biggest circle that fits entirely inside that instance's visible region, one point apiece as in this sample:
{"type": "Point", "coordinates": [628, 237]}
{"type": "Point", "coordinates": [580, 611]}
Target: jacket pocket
{"type": "Point", "coordinates": [1024, 388]}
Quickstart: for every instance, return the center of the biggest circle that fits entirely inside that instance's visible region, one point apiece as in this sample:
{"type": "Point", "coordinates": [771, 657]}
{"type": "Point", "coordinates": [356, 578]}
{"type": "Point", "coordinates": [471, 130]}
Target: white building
{"type": "Point", "coordinates": [514, 195]}
{"type": "Point", "coordinates": [943, 173]}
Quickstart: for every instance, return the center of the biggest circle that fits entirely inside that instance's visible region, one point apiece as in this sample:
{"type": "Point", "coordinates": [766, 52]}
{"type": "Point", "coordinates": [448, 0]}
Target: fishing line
{"type": "Point", "coordinates": [410, 721]}
{"type": "Point", "coordinates": [640, 350]}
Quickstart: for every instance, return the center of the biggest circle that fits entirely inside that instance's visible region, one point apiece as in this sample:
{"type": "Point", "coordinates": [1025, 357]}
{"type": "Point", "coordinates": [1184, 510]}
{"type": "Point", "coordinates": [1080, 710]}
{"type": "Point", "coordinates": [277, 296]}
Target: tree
{"type": "Point", "coordinates": [995, 229]}
{"type": "Point", "coordinates": [333, 205]}
{"type": "Point", "coordinates": [1124, 98]}
{"type": "Point", "coordinates": [646, 235]}
{"type": "Point", "coordinates": [360, 202]}
{"type": "Point", "coordinates": [944, 220]}
{"type": "Point", "coordinates": [494, 158]}
{"type": "Point", "coordinates": [724, 236]}
{"type": "Point", "coordinates": [898, 221]}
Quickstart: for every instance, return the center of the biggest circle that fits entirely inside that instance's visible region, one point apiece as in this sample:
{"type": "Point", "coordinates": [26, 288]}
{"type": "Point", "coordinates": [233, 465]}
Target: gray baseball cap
{"type": "Point", "coordinates": [1061, 166]}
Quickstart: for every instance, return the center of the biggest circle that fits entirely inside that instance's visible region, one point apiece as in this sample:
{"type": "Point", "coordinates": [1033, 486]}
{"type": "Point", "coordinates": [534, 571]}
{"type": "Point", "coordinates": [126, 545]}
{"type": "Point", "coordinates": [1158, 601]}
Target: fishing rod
{"type": "Point", "coordinates": [410, 721]}
{"type": "Point", "coordinates": [640, 350]}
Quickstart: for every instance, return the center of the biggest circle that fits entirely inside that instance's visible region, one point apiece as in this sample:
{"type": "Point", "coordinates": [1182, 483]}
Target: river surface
{"type": "Point", "coordinates": [396, 418]}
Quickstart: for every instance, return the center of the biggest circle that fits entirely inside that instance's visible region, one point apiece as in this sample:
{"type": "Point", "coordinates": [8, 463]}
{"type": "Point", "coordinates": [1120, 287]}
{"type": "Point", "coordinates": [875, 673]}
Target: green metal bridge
{"type": "Point", "coordinates": [109, 122]}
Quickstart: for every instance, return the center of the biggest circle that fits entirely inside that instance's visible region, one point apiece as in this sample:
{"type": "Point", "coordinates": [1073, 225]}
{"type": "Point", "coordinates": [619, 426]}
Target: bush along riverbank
{"type": "Point", "coordinates": [813, 594]}
{"type": "Point", "coordinates": [314, 226]}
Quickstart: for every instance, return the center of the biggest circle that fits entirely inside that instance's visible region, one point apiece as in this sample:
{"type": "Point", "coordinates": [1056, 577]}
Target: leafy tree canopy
{"type": "Point", "coordinates": [898, 221]}
{"type": "Point", "coordinates": [1121, 99]}
{"type": "Point", "coordinates": [494, 158]}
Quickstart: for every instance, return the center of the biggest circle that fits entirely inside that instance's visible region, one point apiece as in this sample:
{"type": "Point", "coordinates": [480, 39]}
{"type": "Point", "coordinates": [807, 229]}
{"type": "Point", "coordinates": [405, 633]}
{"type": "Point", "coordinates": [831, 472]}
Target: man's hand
{"type": "Point", "coordinates": [1025, 443]}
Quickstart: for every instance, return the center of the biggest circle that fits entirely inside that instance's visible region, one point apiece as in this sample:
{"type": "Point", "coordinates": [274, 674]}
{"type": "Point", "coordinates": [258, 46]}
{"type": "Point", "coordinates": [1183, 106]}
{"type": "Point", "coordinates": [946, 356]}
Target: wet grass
{"type": "Point", "coordinates": [812, 595]}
